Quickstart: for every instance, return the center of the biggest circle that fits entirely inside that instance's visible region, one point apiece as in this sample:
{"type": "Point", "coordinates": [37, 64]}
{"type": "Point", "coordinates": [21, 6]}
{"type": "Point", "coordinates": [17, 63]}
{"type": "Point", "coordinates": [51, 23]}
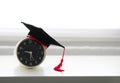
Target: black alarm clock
{"type": "Point", "coordinates": [30, 53]}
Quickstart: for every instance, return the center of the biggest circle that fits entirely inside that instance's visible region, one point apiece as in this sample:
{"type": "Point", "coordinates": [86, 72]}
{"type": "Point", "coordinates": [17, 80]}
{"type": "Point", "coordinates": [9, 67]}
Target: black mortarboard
{"type": "Point", "coordinates": [42, 37]}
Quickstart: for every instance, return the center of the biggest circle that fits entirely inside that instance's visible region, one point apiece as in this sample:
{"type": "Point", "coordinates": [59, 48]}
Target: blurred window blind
{"type": "Point", "coordinates": [77, 41]}
{"type": "Point", "coordinates": [84, 26]}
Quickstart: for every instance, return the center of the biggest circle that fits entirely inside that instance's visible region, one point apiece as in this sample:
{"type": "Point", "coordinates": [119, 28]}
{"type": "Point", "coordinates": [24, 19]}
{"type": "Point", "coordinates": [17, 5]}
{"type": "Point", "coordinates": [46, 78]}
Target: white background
{"type": "Point", "coordinates": [88, 24]}
{"type": "Point", "coordinates": [64, 14]}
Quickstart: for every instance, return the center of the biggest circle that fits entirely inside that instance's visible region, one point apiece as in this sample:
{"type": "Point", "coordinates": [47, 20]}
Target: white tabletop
{"type": "Point", "coordinates": [86, 65]}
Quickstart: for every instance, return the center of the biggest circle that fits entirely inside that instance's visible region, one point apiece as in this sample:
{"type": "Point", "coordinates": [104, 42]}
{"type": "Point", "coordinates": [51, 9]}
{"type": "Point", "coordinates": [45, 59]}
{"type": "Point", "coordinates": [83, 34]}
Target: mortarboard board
{"type": "Point", "coordinates": [39, 35]}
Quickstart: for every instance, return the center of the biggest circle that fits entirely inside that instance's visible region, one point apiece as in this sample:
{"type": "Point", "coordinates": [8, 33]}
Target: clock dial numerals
{"type": "Point", "coordinates": [39, 58]}
{"type": "Point", "coordinates": [36, 62]}
{"type": "Point", "coordinates": [18, 53]}
{"type": "Point", "coordinates": [25, 62]}
{"type": "Point", "coordinates": [40, 47]}
{"type": "Point", "coordinates": [20, 48]}
{"type": "Point", "coordinates": [30, 41]}
{"type": "Point", "coordinates": [30, 64]}
{"type": "Point", "coordinates": [41, 52]}
{"type": "Point", "coordinates": [21, 58]}
{"type": "Point", "coordinates": [30, 52]}
{"type": "Point", "coordinates": [24, 43]}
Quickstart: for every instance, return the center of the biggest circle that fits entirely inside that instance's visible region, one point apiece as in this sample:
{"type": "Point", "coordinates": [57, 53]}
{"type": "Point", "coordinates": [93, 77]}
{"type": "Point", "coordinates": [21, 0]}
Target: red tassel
{"type": "Point", "coordinates": [57, 68]}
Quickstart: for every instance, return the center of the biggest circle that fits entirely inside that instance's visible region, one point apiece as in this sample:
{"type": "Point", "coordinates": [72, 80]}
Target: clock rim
{"type": "Point", "coordinates": [26, 66]}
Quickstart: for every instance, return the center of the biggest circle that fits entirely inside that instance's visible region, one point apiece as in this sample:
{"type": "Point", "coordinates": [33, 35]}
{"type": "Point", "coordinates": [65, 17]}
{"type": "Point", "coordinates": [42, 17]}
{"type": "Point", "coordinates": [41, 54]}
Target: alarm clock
{"type": "Point", "coordinates": [30, 53]}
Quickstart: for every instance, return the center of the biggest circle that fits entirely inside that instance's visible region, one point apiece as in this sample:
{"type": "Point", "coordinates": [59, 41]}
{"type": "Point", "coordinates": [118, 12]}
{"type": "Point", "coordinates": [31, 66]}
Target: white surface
{"type": "Point", "coordinates": [61, 14]}
{"type": "Point", "coordinates": [73, 65]}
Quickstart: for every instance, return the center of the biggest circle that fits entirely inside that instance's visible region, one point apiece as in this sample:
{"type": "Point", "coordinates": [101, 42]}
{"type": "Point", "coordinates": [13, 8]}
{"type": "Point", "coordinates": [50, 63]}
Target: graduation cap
{"type": "Point", "coordinates": [46, 40]}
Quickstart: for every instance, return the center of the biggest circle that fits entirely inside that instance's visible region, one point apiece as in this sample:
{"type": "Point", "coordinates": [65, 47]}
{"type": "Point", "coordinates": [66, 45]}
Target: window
{"type": "Point", "coordinates": [79, 24]}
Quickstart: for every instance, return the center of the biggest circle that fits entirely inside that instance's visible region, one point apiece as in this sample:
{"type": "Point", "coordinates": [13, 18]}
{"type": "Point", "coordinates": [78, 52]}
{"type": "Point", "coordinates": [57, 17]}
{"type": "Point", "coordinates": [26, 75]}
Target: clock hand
{"type": "Point", "coordinates": [31, 56]}
{"type": "Point", "coordinates": [30, 52]}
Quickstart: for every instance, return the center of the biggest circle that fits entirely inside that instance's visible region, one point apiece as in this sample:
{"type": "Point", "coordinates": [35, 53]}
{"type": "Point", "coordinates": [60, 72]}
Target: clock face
{"type": "Point", "coordinates": [30, 53]}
